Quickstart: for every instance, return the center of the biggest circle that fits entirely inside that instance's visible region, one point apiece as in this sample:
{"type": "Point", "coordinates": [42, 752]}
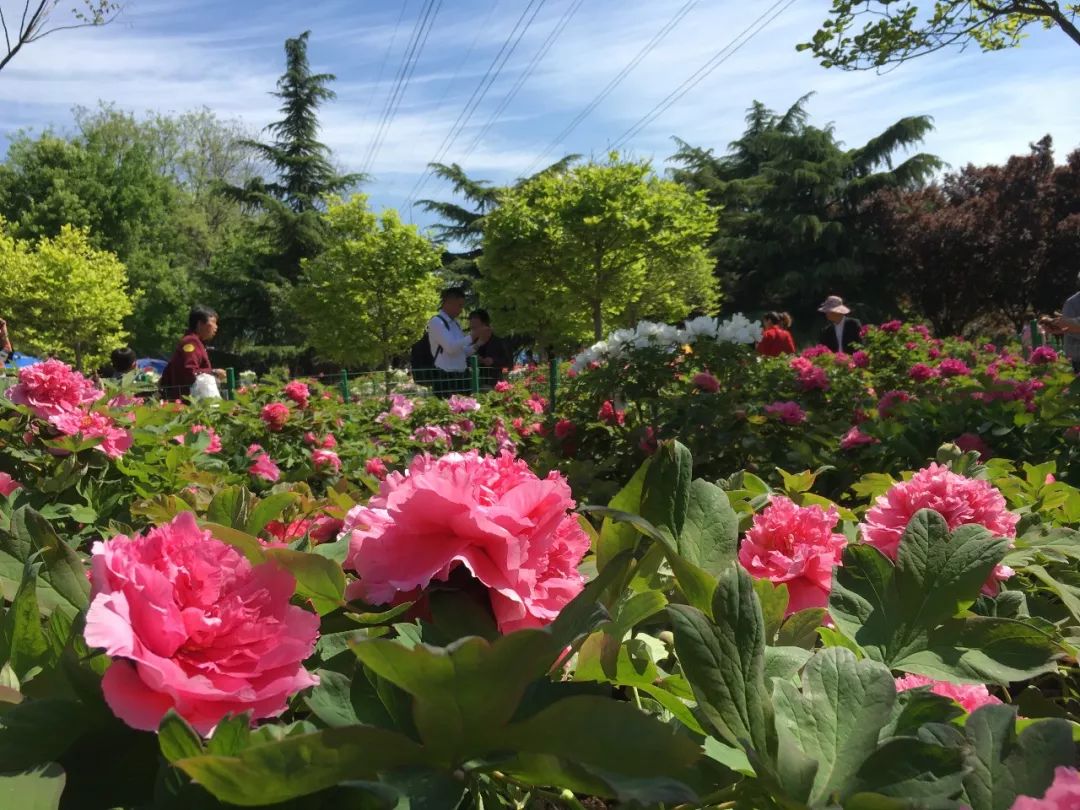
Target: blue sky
{"type": "Point", "coordinates": [173, 55]}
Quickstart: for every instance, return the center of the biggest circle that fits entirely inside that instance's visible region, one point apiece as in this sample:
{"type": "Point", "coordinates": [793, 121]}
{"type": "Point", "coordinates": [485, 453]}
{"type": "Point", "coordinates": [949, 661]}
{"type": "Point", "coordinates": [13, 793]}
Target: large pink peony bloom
{"type": "Point", "coordinates": [299, 393]}
{"type": "Point", "coordinates": [8, 484]}
{"type": "Point", "coordinates": [856, 438]}
{"type": "Point", "coordinates": [91, 425]}
{"type": "Point", "coordinates": [326, 461]}
{"type": "Point", "coordinates": [1063, 793]}
{"type": "Point", "coordinates": [262, 466]}
{"type": "Point", "coordinates": [706, 382]}
{"type": "Point", "coordinates": [952, 367]}
{"type": "Point", "coordinates": [1043, 356]}
{"type": "Point", "coordinates": [795, 545]}
{"type": "Point", "coordinates": [375, 466]}
{"type": "Point", "coordinates": [460, 404]}
{"type": "Point", "coordinates": [191, 625]}
{"type": "Point", "coordinates": [787, 412]}
{"type": "Point", "coordinates": [510, 529]}
{"type": "Point", "coordinates": [960, 500]}
{"type": "Point", "coordinates": [808, 376]}
{"type": "Point", "coordinates": [52, 388]}
{"type": "Point", "coordinates": [969, 696]}
{"type": "Point", "coordinates": [275, 415]}
{"type": "Point", "coordinates": [610, 415]}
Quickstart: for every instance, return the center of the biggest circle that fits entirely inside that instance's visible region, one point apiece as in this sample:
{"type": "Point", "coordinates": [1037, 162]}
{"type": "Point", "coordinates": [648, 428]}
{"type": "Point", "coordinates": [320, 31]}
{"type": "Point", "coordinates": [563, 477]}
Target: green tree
{"type": "Point", "coordinates": [368, 295]}
{"type": "Point", "coordinates": [893, 32]}
{"type": "Point", "coordinates": [62, 296]}
{"type": "Point", "coordinates": [790, 198]}
{"type": "Point", "coordinates": [305, 175]}
{"type": "Point", "coordinates": [567, 256]}
{"type": "Point", "coordinates": [34, 21]}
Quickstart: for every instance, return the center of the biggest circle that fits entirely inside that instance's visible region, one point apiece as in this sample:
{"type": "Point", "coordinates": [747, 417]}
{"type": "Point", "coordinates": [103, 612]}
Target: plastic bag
{"type": "Point", "coordinates": [205, 387]}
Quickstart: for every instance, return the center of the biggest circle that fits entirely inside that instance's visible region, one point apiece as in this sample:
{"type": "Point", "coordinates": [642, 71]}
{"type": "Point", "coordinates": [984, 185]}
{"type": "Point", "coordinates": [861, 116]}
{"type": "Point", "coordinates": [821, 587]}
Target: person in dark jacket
{"type": "Point", "coordinates": [492, 352]}
{"type": "Point", "coordinates": [190, 358]}
{"type": "Point", "coordinates": [842, 333]}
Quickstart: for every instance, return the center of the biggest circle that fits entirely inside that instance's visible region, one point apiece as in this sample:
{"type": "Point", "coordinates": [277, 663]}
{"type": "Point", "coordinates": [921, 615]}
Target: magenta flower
{"type": "Point", "coordinates": [892, 327]}
{"type": "Point", "coordinates": [262, 465]}
{"type": "Point", "coordinates": [973, 441]}
{"type": "Point", "coordinates": [959, 500]}
{"type": "Point", "coordinates": [191, 625]}
{"type": "Point", "coordinates": [8, 484]}
{"type": "Point", "coordinates": [890, 401]}
{"type": "Point", "coordinates": [704, 381]}
{"type": "Point", "coordinates": [299, 393]}
{"type": "Point", "coordinates": [787, 412]}
{"type": "Point", "coordinates": [1063, 793]}
{"type": "Point", "coordinates": [536, 403]}
{"type": "Point", "coordinates": [375, 466]}
{"type": "Point", "coordinates": [1043, 356]}
{"type": "Point", "coordinates": [969, 696]}
{"type": "Point", "coordinates": [860, 359]}
{"type": "Point", "coordinates": [609, 415]}
{"type": "Point", "coordinates": [275, 415]}
{"type": "Point", "coordinates": [951, 367]}
{"type": "Point", "coordinates": [809, 377]}
{"type": "Point", "coordinates": [815, 351]}
{"type": "Point", "coordinates": [502, 386]}
{"type": "Point", "coordinates": [856, 438]}
{"type": "Point", "coordinates": [326, 461]}
{"type": "Point", "coordinates": [564, 429]}
{"type": "Point", "coordinates": [920, 372]}
{"type": "Point", "coordinates": [91, 425]}
{"type": "Point", "coordinates": [797, 546]}
{"type": "Point", "coordinates": [459, 404]}
{"type": "Point", "coordinates": [51, 388]}
{"type": "Point", "coordinates": [512, 531]}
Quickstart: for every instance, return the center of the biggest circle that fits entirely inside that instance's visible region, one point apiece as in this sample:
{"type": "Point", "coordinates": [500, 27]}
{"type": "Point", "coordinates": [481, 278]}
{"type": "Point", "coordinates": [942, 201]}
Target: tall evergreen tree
{"type": "Point", "coordinates": [305, 175]}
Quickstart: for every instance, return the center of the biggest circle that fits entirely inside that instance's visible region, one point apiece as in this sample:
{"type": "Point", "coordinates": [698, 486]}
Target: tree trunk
{"type": "Point", "coordinates": [597, 321]}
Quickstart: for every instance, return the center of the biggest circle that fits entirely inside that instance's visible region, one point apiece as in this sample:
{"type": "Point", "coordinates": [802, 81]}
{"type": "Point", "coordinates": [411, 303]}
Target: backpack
{"type": "Point", "coordinates": [420, 356]}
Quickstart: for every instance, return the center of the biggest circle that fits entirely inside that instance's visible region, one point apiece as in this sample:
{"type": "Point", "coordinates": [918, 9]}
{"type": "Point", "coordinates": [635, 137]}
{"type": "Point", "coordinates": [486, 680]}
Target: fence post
{"type": "Point", "coordinates": [1036, 335]}
{"type": "Point", "coordinates": [474, 374]}
{"type": "Point", "coordinates": [344, 385]}
{"type": "Point", "coordinates": [230, 383]}
{"type": "Point", "coordinates": [553, 381]}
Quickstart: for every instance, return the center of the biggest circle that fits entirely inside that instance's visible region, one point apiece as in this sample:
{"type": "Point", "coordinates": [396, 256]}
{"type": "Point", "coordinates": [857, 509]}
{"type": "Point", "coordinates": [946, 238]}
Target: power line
{"type": "Point", "coordinates": [386, 58]}
{"type": "Point", "coordinates": [421, 31]}
{"type": "Point", "coordinates": [697, 76]}
{"type": "Point", "coordinates": [481, 90]}
{"type": "Point", "coordinates": [538, 57]}
{"type": "Point", "coordinates": [648, 48]}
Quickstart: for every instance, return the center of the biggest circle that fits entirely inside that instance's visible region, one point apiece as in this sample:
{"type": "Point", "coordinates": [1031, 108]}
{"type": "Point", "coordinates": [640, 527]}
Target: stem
{"type": "Point", "coordinates": [637, 697]}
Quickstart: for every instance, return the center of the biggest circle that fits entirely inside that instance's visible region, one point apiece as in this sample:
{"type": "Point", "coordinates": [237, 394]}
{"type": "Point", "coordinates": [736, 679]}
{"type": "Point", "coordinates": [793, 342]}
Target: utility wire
{"type": "Point", "coordinates": [725, 53]}
{"type": "Point", "coordinates": [538, 57]}
{"type": "Point", "coordinates": [386, 58]}
{"type": "Point", "coordinates": [498, 63]}
{"type": "Point", "coordinates": [425, 22]}
{"type": "Point", "coordinates": [648, 48]}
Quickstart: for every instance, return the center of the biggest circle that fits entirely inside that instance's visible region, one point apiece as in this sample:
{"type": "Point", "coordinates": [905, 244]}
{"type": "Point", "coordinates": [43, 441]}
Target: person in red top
{"type": "Point", "coordinates": [777, 339]}
{"type": "Point", "coordinates": [190, 358]}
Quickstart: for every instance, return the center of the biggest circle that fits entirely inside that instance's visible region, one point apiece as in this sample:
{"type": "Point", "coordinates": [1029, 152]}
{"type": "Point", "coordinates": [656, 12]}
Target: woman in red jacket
{"type": "Point", "coordinates": [777, 339]}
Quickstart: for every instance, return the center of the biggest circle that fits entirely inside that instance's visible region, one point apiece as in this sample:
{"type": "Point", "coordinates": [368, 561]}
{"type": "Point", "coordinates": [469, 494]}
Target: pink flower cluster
{"type": "Point", "coordinates": [501, 387]}
{"type": "Point", "coordinates": [891, 327]}
{"type": "Point", "coordinates": [375, 466]}
{"type": "Point", "coordinates": [565, 429]}
{"type": "Point", "coordinates": [920, 372]}
{"type": "Point", "coordinates": [93, 425]}
{"type": "Point", "coordinates": [809, 377]}
{"type": "Point", "coordinates": [787, 412]}
{"type": "Point", "coordinates": [460, 404]}
{"type": "Point", "coordinates": [511, 530]}
{"type": "Point", "coordinates": [952, 367]}
{"type": "Point", "coordinates": [815, 351]}
{"type": "Point", "coordinates": [299, 393]}
{"type": "Point", "coordinates": [1063, 793]}
{"type": "Point", "coordinates": [1043, 356]}
{"type": "Point", "coordinates": [191, 625]}
{"type": "Point", "coordinates": [888, 404]}
{"type": "Point", "coordinates": [860, 359]}
{"type": "Point", "coordinates": [610, 415]}
{"type": "Point", "coordinates": [275, 415]}
{"type": "Point", "coordinates": [195, 430]}
{"type": "Point", "coordinates": [856, 438]}
{"type": "Point", "coordinates": [326, 461]}
{"type": "Point", "coordinates": [794, 545]}
{"type": "Point", "coordinates": [53, 388]}
{"type": "Point", "coordinates": [262, 466]}
{"type": "Point", "coordinates": [328, 442]}
{"type": "Point", "coordinates": [969, 696]}
{"type": "Point", "coordinates": [429, 434]}
{"type": "Point", "coordinates": [704, 381]}
{"type": "Point", "coordinates": [959, 500]}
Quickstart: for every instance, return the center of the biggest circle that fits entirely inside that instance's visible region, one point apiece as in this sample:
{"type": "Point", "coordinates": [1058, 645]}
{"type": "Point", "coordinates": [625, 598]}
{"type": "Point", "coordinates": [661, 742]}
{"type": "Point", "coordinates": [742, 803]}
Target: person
{"type": "Point", "coordinates": [777, 339]}
{"type": "Point", "coordinates": [842, 333]}
{"type": "Point", "coordinates": [450, 345]}
{"type": "Point", "coordinates": [1067, 323]}
{"type": "Point", "coordinates": [190, 358]}
{"type": "Point", "coordinates": [5, 343]}
{"type": "Point", "coordinates": [122, 363]}
{"type": "Point", "coordinates": [492, 352]}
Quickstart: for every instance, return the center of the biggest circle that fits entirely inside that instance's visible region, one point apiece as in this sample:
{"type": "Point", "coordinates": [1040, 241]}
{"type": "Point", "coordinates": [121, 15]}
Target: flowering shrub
{"type": "Point", "coordinates": [968, 696]}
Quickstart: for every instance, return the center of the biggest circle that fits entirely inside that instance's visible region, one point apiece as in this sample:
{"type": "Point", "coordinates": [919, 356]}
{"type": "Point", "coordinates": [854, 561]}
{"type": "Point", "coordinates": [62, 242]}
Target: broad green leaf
{"type": "Point", "coordinates": [317, 578]}
{"type": "Point", "coordinates": [1068, 594]}
{"type": "Point", "coordinates": [710, 533]}
{"type": "Point", "coordinates": [248, 545]}
{"type": "Point", "coordinates": [784, 662]}
{"type": "Point", "coordinates": [774, 603]}
{"type": "Point", "coordinates": [800, 629]}
{"type": "Point", "coordinates": [35, 732]}
{"type": "Point", "coordinates": [916, 771]}
{"type": "Point", "coordinates": [231, 736]}
{"type": "Point", "coordinates": [331, 700]}
{"type": "Point", "coordinates": [267, 509]}
{"type": "Point", "coordinates": [724, 660]}
{"type": "Point", "coordinates": [36, 789]}
{"type": "Point", "coordinates": [232, 507]}
{"type": "Point", "coordinates": [299, 765]}
{"type": "Point", "coordinates": [22, 641]}
{"type": "Point", "coordinates": [834, 720]}
{"type": "Point", "coordinates": [618, 536]}
{"type": "Point", "coordinates": [1004, 764]}
{"type": "Point", "coordinates": [177, 739]}
{"type": "Point", "coordinates": [63, 572]}
{"type": "Point", "coordinates": [665, 493]}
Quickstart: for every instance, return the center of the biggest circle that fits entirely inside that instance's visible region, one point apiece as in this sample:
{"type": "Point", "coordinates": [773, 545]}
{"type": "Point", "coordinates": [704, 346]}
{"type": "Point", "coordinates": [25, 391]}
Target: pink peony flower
{"type": "Point", "coordinates": [815, 351]}
{"type": "Point", "coordinates": [329, 443]}
{"type": "Point", "coordinates": [808, 376]}
{"type": "Point", "coordinates": [856, 438]}
{"type": "Point", "coordinates": [951, 367]}
{"type": "Point", "coordinates": [191, 625]}
{"type": "Point", "coordinates": [934, 353]}
{"type": "Point", "coordinates": [787, 412]}
{"type": "Point", "coordinates": [860, 359]}
{"type": "Point", "coordinates": [326, 461]}
{"type": "Point", "coordinates": [961, 501]}
{"type": "Point", "coordinates": [375, 466]}
{"type": "Point", "coordinates": [465, 426]}
{"type": "Point", "coordinates": [194, 430]}
{"type": "Point", "coordinates": [91, 425]}
{"type": "Point", "coordinates": [920, 372]}
{"type": "Point", "coordinates": [1063, 793]}
{"type": "Point", "coordinates": [8, 484]}
{"type": "Point", "coordinates": [325, 528]}
{"type": "Point", "coordinates": [969, 696]}
{"type": "Point", "coordinates": [891, 327]}
{"type": "Point", "coordinates": [973, 441]}
{"type": "Point", "coordinates": [124, 402]}
{"type": "Point", "coordinates": [275, 415]}
{"type": "Point", "coordinates": [401, 406]}
{"type": "Point", "coordinates": [286, 533]}
{"type": "Point", "coordinates": [310, 438]}
{"type": "Point", "coordinates": [536, 403]}
{"type": "Point", "coordinates": [1043, 356]}
{"type": "Point", "coordinates": [502, 386]}
{"type": "Point", "coordinates": [299, 393]}
{"type": "Point", "coordinates": [511, 530]}
{"type": "Point", "coordinates": [502, 437]}
{"type": "Point", "coordinates": [704, 381]}
{"type": "Point", "coordinates": [887, 404]}
{"type": "Point", "coordinates": [921, 329]}
{"type": "Point", "coordinates": [51, 388]}
{"type": "Point", "coordinates": [429, 434]}
{"type": "Point", "coordinates": [609, 415]}
{"type": "Point", "coordinates": [459, 404]}
{"type": "Point", "coordinates": [262, 465]}
{"type": "Point", "coordinates": [565, 429]}
{"type": "Point", "coordinates": [795, 545]}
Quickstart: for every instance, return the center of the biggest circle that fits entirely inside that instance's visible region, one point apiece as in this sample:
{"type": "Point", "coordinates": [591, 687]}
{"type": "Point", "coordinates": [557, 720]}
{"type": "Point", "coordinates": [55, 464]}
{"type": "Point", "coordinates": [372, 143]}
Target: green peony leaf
{"type": "Point", "coordinates": [36, 789]}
